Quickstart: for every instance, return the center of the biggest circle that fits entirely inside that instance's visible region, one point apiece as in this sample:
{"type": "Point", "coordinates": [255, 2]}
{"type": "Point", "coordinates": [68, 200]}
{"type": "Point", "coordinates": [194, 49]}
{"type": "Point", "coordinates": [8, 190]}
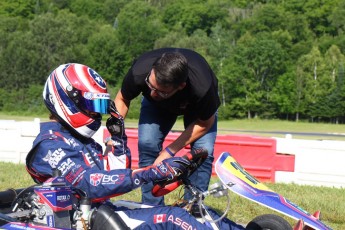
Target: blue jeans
{"type": "Point", "coordinates": [154, 126]}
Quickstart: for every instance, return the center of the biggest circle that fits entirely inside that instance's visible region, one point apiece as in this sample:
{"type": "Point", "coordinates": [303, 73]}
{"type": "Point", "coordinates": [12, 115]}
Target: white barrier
{"type": "Point", "coordinates": [316, 162]}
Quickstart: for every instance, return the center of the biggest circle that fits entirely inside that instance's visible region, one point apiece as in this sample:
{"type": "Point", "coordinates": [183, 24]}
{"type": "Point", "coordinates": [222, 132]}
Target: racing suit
{"type": "Point", "coordinates": [82, 163]}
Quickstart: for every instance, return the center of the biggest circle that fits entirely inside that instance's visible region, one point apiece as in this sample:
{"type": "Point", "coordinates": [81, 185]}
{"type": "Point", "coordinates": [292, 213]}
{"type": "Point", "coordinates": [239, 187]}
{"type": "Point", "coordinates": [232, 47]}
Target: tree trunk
{"type": "Point", "coordinates": [223, 95]}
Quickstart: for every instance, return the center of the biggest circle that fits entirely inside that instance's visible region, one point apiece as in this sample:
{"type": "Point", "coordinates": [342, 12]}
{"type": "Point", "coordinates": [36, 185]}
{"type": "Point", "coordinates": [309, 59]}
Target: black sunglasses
{"type": "Point", "coordinates": [160, 93]}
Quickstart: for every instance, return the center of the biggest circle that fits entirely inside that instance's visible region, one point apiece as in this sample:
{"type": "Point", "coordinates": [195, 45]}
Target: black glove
{"type": "Point", "coordinates": [167, 170]}
{"type": "Point", "coordinates": [115, 123]}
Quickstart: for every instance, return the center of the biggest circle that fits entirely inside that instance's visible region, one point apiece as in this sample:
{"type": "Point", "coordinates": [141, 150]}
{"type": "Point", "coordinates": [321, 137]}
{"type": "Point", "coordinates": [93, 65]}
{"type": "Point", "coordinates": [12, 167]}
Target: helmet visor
{"type": "Point", "coordinates": [95, 102]}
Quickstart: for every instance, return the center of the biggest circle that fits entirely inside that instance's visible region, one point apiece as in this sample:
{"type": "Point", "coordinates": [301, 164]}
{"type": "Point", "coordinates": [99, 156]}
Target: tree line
{"type": "Point", "coordinates": [274, 59]}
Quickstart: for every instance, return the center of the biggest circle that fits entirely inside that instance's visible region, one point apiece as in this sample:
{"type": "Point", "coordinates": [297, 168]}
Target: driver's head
{"type": "Point", "coordinates": [77, 95]}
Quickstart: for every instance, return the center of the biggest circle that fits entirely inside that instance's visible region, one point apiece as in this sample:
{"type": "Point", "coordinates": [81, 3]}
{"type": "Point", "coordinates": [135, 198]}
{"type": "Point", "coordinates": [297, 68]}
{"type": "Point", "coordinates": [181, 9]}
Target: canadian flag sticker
{"type": "Point", "coordinates": [160, 218]}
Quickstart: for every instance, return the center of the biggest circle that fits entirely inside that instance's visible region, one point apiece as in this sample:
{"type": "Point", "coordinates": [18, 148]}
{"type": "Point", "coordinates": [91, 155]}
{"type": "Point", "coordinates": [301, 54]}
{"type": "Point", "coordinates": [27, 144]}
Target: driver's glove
{"type": "Point", "coordinates": [115, 123]}
{"type": "Point", "coordinates": [117, 142]}
{"type": "Point", "coordinates": [166, 170]}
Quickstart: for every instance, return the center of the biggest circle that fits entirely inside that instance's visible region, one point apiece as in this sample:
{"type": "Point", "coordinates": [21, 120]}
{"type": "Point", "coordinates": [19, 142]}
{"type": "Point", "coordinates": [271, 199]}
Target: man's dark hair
{"type": "Point", "coordinates": [171, 69]}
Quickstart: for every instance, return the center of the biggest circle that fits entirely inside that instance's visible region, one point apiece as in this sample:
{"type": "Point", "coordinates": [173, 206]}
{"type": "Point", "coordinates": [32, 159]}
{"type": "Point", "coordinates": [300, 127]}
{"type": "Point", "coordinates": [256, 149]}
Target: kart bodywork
{"type": "Point", "coordinates": [239, 181]}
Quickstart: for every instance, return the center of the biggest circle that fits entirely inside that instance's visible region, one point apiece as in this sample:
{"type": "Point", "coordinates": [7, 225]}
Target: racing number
{"type": "Point", "coordinates": [247, 175]}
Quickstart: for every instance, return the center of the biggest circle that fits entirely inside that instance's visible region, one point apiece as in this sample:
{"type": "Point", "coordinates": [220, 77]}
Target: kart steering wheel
{"type": "Point", "coordinates": [196, 157]}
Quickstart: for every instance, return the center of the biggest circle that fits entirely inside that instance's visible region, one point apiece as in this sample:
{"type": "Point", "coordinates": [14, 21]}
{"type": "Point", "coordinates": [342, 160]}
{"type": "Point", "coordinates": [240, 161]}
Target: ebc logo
{"type": "Point", "coordinates": [110, 179]}
{"type": "Point", "coordinates": [97, 78]}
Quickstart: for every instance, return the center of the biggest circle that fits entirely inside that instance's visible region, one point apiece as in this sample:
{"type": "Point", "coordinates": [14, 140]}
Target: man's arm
{"type": "Point", "coordinates": [193, 132]}
{"type": "Point", "coordinates": [122, 105]}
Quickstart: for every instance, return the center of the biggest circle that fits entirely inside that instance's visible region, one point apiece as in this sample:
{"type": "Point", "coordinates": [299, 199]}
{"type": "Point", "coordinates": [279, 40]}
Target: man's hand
{"type": "Point", "coordinates": [115, 123]}
{"type": "Point", "coordinates": [162, 156]}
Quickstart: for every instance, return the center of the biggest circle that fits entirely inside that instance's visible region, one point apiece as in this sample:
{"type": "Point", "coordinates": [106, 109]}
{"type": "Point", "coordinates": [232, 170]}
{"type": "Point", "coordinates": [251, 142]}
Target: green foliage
{"type": "Point", "coordinates": [265, 54]}
{"type": "Point", "coordinates": [284, 94]}
{"type": "Point", "coordinates": [134, 112]}
{"type": "Point", "coordinates": [107, 53]}
{"type": "Point", "coordinates": [138, 26]}
{"type": "Point", "coordinates": [193, 15]}
{"type": "Point", "coordinates": [21, 8]}
{"type": "Point", "coordinates": [224, 112]}
{"type": "Point", "coordinates": [24, 101]}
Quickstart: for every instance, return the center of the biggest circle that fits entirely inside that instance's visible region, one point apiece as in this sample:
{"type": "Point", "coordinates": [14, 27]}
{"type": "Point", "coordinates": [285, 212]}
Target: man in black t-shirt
{"type": "Point", "coordinates": [173, 82]}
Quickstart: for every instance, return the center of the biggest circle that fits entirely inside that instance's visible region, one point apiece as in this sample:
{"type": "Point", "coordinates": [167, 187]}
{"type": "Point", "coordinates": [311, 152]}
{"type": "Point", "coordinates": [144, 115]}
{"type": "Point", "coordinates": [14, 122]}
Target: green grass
{"type": "Point", "coordinates": [331, 201]}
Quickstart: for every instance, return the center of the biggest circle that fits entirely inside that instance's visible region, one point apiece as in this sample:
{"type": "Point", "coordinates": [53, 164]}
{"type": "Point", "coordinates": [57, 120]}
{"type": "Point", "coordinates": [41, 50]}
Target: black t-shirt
{"type": "Point", "coordinates": [200, 96]}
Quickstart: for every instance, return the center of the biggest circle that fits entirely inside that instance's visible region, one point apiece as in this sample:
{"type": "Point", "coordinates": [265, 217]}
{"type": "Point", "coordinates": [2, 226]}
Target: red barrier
{"type": "Point", "coordinates": [256, 154]}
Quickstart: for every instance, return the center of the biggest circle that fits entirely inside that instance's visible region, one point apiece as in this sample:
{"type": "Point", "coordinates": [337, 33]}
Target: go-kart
{"type": "Point", "coordinates": [54, 205]}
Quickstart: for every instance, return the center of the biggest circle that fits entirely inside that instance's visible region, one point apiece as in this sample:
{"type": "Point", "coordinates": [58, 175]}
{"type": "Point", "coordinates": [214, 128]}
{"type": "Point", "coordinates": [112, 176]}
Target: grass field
{"type": "Point", "coordinates": [331, 201]}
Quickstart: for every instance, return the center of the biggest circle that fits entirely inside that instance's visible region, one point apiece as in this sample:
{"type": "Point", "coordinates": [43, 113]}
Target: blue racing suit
{"type": "Point", "coordinates": [81, 162]}
{"type": "Point", "coordinates": [84, 165]}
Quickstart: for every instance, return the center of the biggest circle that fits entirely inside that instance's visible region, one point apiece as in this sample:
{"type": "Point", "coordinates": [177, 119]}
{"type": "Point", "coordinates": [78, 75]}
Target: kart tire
{"type": "Point", "coordinates": [268, 222]}
{"type": "Point", "coordinates": [105, 218]}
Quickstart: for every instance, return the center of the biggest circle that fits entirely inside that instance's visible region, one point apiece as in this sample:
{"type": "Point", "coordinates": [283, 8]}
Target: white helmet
{"type": "Point", "coordinates": [77, 96]}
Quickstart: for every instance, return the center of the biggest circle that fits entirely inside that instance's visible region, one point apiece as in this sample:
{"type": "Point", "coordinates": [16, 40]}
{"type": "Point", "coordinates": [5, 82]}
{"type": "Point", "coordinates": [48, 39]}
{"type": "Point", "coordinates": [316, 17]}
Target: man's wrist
{"type": "Point", "coordinates": [105, 141]}
{"type": "Point", "coordinates": [169, 151]}
{"type": "Point", "coordinates": [109, 141]}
